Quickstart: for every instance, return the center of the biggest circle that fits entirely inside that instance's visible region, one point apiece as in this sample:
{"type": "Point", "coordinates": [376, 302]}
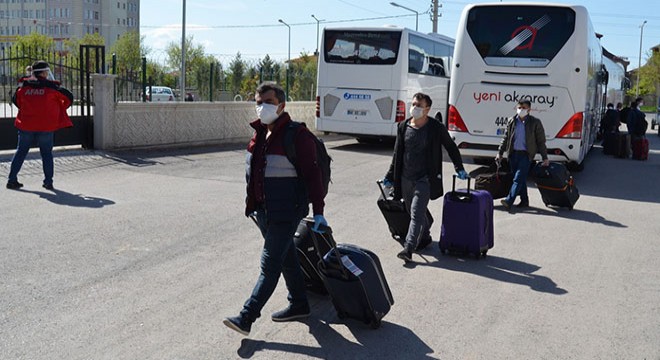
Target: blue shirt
{"type": "Point", "coordinates": [519, 141]}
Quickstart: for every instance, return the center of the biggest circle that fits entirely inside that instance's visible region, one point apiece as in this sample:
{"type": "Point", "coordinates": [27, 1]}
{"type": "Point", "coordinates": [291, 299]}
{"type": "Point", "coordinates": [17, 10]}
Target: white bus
{"type": "Point", "coordinates": [617, 82]}
{"type": "Point", "coordinates": [367, 77]}
{"type": "Point", "coordinates": [547, 54]}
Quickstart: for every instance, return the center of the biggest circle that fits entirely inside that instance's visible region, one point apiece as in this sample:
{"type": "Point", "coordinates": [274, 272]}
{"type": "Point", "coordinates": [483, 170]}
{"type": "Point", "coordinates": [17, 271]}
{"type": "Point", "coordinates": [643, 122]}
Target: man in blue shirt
{"type": "Point", "coordinates": [523, 139]}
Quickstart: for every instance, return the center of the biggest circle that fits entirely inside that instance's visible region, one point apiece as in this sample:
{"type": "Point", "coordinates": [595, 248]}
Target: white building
{"type": "Point", "coordinates": [66, 19]}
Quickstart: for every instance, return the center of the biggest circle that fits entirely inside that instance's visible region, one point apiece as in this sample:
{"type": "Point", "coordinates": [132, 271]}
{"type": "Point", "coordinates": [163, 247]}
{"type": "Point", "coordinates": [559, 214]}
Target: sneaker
{"type": "Point", "coordinates": [48, 186]}
{"type": "Point", "coordinates": [405, 255]}
{"type": "Point", "coordinates": [291, 313]}
{"type": "Point", "coordinates": [239, 324]}
{"type": "Point", "coordinates": [14, 185]}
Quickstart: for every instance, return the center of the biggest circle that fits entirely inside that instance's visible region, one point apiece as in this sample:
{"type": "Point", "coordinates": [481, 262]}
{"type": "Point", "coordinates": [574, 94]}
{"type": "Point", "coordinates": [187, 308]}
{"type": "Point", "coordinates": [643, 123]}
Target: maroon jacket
{"type": "Point", "coordinates": [271, 178]}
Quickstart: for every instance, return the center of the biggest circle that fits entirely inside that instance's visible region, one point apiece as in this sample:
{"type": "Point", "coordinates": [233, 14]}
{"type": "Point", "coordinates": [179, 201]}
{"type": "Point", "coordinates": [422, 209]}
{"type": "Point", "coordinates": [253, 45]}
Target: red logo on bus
{"type": "Point", "coordinates": [517, 31]}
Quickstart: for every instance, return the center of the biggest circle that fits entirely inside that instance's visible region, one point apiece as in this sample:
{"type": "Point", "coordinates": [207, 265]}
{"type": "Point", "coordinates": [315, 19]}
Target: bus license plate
{"type": "Point", "coordinates": [357, 112]}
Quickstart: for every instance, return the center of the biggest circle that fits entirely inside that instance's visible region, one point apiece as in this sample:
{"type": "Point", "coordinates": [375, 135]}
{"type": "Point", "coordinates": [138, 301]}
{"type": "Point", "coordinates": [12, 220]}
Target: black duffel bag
{"type": "Point", "coordinates": [497, 179]}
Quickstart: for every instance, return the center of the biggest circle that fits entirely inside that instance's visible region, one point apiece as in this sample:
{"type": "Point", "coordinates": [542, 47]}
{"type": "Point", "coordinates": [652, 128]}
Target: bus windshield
{"type": "Point", "coordinates": [520, 36]}
{"type": "Point", "coordinates": [361, 47]}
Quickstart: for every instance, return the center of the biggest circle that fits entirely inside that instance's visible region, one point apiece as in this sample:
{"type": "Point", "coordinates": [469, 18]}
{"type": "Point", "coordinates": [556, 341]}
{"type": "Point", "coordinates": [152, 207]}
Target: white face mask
{"type": "Point", "coordinates": [416, 112]}
{"type": "Point", "coordinates": [267, 113]}
{"type": "Point", "coordinates": [522, 112]}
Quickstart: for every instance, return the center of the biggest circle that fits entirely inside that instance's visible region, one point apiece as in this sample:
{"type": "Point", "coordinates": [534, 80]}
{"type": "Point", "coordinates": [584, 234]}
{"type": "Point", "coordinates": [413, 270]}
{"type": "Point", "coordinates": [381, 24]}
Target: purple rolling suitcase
{"type": "Point", "coordinates": [467, 221]}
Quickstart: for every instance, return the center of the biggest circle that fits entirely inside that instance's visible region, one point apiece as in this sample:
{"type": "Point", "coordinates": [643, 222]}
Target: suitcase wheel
{"type": "Point", "coordinates": [483, 253]}
{"type": "Point", "coordinates": [374, 324]}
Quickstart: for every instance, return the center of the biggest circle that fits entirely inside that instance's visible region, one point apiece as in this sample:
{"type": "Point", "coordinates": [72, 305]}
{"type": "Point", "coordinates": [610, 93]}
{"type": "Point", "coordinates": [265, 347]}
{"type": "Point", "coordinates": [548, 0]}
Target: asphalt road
{"type": "Point", "coordinates": [141, 255]}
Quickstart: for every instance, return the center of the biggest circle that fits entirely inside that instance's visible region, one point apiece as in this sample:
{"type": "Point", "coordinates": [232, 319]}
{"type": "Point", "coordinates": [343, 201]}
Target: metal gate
{"type": "Point", "coordinates": [74, 72]}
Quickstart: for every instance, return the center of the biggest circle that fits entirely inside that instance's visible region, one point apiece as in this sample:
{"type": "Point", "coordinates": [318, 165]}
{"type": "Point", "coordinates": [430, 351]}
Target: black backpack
{"type": "Point", "coordinates": [322, 158]}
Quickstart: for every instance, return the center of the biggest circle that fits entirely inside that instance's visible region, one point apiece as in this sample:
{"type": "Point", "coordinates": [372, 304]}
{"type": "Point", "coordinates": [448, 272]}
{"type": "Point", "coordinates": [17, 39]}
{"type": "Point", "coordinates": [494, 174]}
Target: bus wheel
{"type": "Point", "coordinates": [574, 166]}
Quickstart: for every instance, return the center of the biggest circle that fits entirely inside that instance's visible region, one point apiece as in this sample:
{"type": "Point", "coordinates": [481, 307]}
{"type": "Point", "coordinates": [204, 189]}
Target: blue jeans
{"type": "Point", "coordinates": [416, 196]}
{"type": "Point", "coordinates": [25, 140]}
{"type": "Point", "coordinates": [519, 163]}
{"type": "Point", "coordinates": [278, 257]}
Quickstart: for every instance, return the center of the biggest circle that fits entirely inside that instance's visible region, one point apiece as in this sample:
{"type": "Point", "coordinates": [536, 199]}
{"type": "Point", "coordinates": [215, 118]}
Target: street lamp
{"type": "Point", "coordinates": [317, 33]}
{"type": "Point", "coordinates": [409, 9]}
{"type": "Point", "coordinates": [639, 64]}
{"type": "Point", "coordinates": [288, 64]}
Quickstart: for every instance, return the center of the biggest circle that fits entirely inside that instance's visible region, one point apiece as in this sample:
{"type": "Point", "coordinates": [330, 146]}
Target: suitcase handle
{"type": "Point", "coordinates": [333, 248]}
{"type": "Point", "coordinates": [381, 186]}
{"type": "Point", "coordinates": [460, 197]}
{"type": "Point", "coordinates": [253, 217]}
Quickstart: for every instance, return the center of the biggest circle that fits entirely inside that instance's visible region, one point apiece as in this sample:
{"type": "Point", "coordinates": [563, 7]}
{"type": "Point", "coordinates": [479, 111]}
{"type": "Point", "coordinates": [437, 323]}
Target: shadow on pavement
{"type": "Point", "coordinates": [61, 197]}
{"type": "Point", "coordinates": [575, 214]}
{"type": "Point", "coordinates": [493, 267]}
{"type": "Point", "coordinates": [376, 149]}
{"type": "Point", "coordinates": [390, 341]}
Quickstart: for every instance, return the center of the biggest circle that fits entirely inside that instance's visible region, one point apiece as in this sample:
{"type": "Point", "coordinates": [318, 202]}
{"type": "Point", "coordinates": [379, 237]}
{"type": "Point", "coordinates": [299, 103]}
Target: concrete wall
{"type": "Point", "coordinates": [138, 125]}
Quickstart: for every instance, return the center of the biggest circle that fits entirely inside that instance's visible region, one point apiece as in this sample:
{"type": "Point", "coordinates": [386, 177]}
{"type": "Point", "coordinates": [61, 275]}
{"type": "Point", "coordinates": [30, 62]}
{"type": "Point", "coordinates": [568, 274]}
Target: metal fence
{"type": "Point", "coordinates": [13, 62]}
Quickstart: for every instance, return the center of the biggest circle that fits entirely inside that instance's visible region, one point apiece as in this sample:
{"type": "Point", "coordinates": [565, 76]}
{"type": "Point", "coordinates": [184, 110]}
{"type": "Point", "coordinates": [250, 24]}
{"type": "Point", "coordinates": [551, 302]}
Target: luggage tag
{"type": "Point", "coordinates": [350, 265]}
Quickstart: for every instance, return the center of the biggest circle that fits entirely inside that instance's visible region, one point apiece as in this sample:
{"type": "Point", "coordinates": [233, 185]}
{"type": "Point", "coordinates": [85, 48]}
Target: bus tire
{"type": "Point", "coordinates": [574, 166]}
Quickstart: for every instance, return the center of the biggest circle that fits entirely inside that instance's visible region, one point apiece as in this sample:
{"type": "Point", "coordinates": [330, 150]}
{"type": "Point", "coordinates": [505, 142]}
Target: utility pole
{"type": "Point", "coordinates": [182, 78]}
{"type": "Point", "coordinates": [435, 16]}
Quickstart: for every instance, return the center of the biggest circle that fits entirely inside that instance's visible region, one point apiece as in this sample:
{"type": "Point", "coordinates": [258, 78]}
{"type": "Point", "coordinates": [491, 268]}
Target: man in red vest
{"type": "Point", "coordinates": [42, 105]}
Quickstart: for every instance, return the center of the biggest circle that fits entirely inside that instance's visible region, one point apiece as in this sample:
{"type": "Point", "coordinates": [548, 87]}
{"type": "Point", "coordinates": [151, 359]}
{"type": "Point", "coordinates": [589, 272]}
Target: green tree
{"type": "Point", "coordinates": [129, 49]}
{"type": "Point", "coordinates": [250, 83]}
{"type": "Point", "coordinates": [29, 48]}
{"type": "Point", "coordinates": [195, 59]}
{"type": "Point", "coordinates": [72, 46]}
{"type": "Point", "coordinates": [267, 69]}
{"type": "Point", "coordinates": [237, 69]}
{"type": "Point", "coordinates": [649, 81]}
{"type": "Point", "coordinates": [303, 78]}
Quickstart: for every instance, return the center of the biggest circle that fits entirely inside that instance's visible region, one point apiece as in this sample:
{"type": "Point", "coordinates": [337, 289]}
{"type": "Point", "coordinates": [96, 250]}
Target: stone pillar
{"type": "Point", "coordinates": [104, 111]}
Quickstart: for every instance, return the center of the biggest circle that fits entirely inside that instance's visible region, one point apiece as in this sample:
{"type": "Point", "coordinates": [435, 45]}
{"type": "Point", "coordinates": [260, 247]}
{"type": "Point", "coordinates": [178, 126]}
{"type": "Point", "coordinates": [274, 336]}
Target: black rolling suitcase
{"type": "Point", "coordinates": [622, 145]}
{"type": "Point", "coordinates": [610, 143]}
{"type": "Point", "coordinates": [355, 281]}
{"type": "Point", "coordinates": [556, 185]}
{"type": "Point", "coordinates": [397, 218]}
{"type": "Point", "coordinates": [308, 254]}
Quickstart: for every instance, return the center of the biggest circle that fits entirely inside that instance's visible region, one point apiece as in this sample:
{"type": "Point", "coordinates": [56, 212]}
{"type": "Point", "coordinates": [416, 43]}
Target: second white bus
{"type": "Point", "coordinates": [367, 77]}
{"type": "Point", "coordinates": [547, 54]}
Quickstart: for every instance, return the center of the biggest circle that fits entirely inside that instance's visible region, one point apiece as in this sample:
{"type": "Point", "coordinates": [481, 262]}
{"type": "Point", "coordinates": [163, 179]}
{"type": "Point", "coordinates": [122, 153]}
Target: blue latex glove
{"type": "Point", "coordinates": [462, 174]}
{"type": "Point", "coordinates": [318, 221]}
{"type": "Point", "coordinates": [387, 182]}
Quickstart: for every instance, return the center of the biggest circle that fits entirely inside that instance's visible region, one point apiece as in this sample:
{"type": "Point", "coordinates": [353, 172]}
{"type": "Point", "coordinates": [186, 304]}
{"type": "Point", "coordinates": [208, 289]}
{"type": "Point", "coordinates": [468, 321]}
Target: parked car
{"type": "Point", "coordinates": [160, 93]}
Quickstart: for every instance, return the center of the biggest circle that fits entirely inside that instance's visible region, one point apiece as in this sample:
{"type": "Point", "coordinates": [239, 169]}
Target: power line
{"type": "Point", "coordinates": [292, 24]}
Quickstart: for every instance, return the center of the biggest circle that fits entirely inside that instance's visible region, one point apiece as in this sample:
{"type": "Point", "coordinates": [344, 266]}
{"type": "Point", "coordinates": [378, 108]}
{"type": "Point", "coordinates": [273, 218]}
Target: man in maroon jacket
{"type": "Point", "coordinates": [42, 105]}
{"type": "Point", "coordinates": [279, 196]}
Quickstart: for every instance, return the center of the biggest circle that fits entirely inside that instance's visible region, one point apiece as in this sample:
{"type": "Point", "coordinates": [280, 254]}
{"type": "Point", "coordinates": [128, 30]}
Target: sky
{"type": "Point", "coordinates": [251, 27]}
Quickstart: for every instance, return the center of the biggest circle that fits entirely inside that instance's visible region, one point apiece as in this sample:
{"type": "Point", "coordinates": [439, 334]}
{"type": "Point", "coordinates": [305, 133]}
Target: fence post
{"type": "Point", "coordinates": [211, 85]}
{"type": "Point", "coordinates": [114, 64]}
{"type": "Point", "coordinates": [144, 79]}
